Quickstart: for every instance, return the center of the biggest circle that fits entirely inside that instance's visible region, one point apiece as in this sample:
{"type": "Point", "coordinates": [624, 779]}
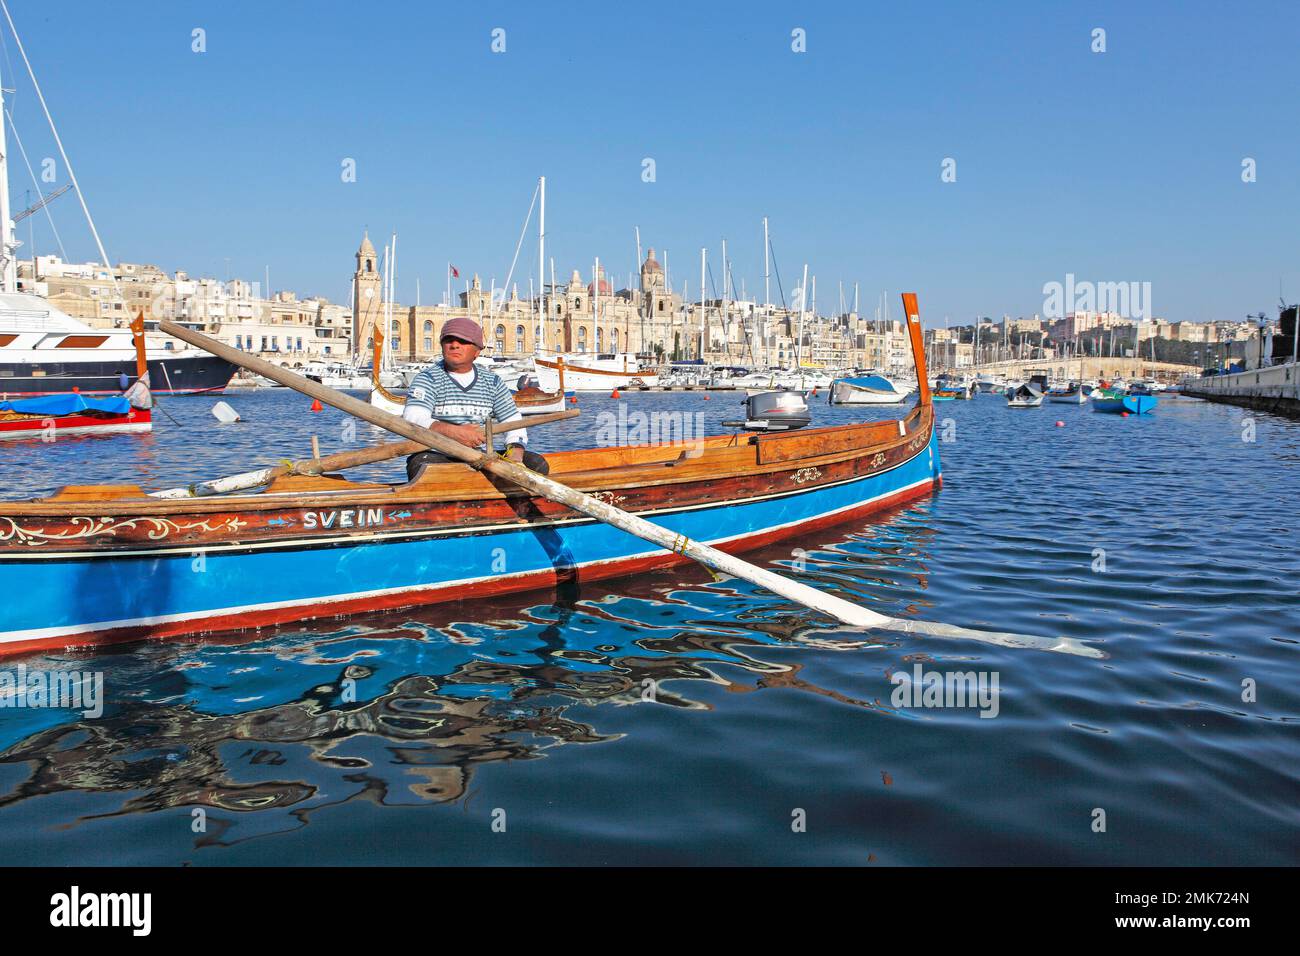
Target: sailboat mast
{"type": "Point", "coordinates": [703, 266]}
{"type": "Point", "coordinates": [392, 287]}
{"type": "Point", "coordinates": [803, 307]}
{"type": "Point", "coordinates": [726, 321]}
{"type": "Point", "coordinates": [8, 243]}
{"type": "Point", "coordinates": [767, 270]}
{"type": "Point", "coordinates": [541, 266]}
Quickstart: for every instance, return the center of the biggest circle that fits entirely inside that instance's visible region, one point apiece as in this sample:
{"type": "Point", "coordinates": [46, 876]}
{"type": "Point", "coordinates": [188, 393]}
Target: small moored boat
{"type": "Point", "coordinates": [866, 390]}
{"type": "Point", "coordinates": [1116, 401]}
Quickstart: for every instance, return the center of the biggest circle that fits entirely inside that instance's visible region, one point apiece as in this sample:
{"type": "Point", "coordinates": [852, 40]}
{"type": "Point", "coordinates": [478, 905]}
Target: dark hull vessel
{"type": "Point", "coordinates": [184, 375]}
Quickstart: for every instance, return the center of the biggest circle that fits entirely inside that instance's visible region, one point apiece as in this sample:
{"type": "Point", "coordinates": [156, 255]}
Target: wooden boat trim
{"type": "Point", "coordinates": [454, 482]}
{"type": "Point", "coordinates": [561, 519]}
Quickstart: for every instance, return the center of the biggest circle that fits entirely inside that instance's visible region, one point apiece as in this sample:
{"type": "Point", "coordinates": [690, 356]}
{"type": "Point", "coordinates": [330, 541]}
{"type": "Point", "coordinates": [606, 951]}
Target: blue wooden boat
{"type": "Point", "coordinates": [1116, 402]}
{"type": "Point", "coordinates": [95, 564]}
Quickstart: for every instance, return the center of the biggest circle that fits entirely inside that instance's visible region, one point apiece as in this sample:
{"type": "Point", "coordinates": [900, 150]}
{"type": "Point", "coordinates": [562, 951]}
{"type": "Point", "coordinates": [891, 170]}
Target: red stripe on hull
{"type": "Point", "coordinates": [480, 589]}
{"type": "Point", "coordinates": [31, 427]}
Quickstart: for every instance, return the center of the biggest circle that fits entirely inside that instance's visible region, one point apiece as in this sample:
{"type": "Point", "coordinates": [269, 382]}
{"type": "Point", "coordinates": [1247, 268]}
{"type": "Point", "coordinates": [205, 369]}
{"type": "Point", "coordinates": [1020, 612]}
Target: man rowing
{"type": "Point", "coordinates": [455, 398]}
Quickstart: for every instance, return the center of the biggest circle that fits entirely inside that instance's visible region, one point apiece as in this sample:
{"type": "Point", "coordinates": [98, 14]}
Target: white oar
{"type": "Point", "coordinates": [843, 611]}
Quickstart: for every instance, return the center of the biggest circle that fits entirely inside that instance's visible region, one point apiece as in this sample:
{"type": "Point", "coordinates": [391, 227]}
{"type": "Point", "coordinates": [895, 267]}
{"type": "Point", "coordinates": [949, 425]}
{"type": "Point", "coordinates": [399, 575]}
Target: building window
{"type": "Point", "coordinates": [370, 266]}
{"type": "Point", "coordinates": [577, 303]}
{"type": "Point", "coordinates": [614, 337]}
{"type": "Point", "coordinates": [519, 338]}
{"type": "Point", "coordinates": [397, 326]}
{"type": "Point", "coordinates": [263, 348]}
{"type": "Point", "coordinates": [300, 345]}
{"type": "Point", "coordinates": [428, 343]}
{"type": "Point", "coordinates": [501, 338]}
{"type": "Point", "coordinates": [600, 340]}
{"type": "Point", "coordinates": [428, 328]}
{"type": "Point", "coordinates": [582, 338]}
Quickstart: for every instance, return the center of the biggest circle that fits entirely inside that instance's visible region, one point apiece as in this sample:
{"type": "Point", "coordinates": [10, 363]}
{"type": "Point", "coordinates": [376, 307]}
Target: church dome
{"type": "Point", "coordinates": [651, 264]}
{"type": "Point", "coordinates": [367, 248]}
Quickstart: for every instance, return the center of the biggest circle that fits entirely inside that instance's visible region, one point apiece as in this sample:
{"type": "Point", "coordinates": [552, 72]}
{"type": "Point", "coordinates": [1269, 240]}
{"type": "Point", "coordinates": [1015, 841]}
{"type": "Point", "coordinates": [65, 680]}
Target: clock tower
{"type": "Point", "coordinates": [366, 295]}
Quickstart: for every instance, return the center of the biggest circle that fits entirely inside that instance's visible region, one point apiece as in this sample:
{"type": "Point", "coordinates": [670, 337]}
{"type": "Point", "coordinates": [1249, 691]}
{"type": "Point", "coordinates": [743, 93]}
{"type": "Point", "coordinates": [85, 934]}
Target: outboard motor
{"type": "Point", "coordinates": [774, 412]}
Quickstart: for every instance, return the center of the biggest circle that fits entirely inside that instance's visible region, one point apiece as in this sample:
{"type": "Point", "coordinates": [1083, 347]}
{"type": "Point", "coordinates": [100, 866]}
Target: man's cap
{"type": "Point", "coordinates": [466, 329]}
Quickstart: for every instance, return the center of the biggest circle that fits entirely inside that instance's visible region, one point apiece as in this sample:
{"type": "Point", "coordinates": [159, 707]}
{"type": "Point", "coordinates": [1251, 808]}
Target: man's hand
{"type": "Point", "coordinates": [470, 435]}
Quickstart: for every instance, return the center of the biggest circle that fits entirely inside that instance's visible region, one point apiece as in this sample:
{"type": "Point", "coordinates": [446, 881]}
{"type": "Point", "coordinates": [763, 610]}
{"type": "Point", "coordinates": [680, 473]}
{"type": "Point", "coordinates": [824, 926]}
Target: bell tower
{"type": "Point", "coordinates": [366, 295]}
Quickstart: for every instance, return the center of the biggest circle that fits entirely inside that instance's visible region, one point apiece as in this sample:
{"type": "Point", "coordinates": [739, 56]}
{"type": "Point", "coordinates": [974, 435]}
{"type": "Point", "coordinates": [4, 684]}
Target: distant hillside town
{"type": "Point", "coordinates": [656, 320]}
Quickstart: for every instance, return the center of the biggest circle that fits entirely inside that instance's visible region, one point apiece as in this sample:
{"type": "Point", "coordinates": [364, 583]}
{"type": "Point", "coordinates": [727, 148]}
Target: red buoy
{"type": "Point", "coordinates": [573, 399]}
{"type": "Point", "coordinates": [706, 398]}
{"type": "Point", "coordinates": [316, 406]}
{"type": "Point", "coordinates": [614, 394]}
{"type": "Point", "coordinates": [1124, 414]}
{"type": "Point", "coordinates": [1060, 424]}
{"type": "Point", "coordinates": [75, 389]}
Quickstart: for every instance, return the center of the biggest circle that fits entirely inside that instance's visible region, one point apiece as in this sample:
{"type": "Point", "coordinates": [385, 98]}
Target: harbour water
{"type": "Point", "coordinates": [675, 719]}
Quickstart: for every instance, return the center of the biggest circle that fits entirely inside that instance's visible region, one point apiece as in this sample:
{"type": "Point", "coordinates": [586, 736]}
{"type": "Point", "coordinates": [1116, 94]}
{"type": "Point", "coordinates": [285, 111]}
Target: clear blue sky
{"type": "Point", "coordinates": [1116, 166]}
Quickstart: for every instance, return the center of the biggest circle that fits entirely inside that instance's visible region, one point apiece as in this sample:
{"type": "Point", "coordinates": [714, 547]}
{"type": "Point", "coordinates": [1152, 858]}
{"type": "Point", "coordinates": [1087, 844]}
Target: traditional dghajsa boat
{"type": "Point", "coordinates": [93, 564]}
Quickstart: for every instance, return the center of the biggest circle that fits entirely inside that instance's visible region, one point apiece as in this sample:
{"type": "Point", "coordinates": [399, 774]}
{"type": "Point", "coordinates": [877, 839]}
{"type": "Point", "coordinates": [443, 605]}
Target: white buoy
{"type": "Point", "coordinates": [225, 414]}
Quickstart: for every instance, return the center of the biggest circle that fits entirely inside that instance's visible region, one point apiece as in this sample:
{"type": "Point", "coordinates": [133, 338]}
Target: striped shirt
{"type": "Point", "coordinates": [436, 393]}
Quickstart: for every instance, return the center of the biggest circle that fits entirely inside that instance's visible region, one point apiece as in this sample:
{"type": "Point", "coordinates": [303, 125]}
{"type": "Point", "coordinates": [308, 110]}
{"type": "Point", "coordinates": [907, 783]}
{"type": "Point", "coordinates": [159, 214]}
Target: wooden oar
{"type": "Point", "coordinates": [810, 597]}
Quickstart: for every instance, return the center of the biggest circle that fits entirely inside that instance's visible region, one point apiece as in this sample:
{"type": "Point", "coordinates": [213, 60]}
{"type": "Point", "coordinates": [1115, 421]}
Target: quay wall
{"type": "Point", "coordinates": [1273, 389]}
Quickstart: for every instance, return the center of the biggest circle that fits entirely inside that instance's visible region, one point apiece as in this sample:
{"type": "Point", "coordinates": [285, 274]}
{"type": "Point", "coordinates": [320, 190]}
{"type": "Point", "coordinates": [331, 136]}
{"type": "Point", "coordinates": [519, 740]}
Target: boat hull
{"type": "Point", "coordinates": [231, 572]}
{"type": "Point", "coordinates": [1132, 404]}
{"type": "Point", "coordinates": [186, 375]}
{"type": "Point", "coordinates": [845, 393]}
{"type": "Point", "coordinates": [139, 420]}
{"type": "Point", "coordinates": [578, 378]}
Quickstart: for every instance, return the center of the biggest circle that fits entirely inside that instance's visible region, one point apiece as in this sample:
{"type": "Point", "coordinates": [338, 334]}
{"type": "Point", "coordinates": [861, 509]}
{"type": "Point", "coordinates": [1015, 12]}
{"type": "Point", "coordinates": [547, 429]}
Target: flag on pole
{"type": "Point", "coordinates": [455, 273]}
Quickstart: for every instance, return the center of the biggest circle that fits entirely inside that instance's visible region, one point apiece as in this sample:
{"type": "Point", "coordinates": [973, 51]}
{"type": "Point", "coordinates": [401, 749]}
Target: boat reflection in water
{"type": "Point", "coordinates": [400, 709]}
